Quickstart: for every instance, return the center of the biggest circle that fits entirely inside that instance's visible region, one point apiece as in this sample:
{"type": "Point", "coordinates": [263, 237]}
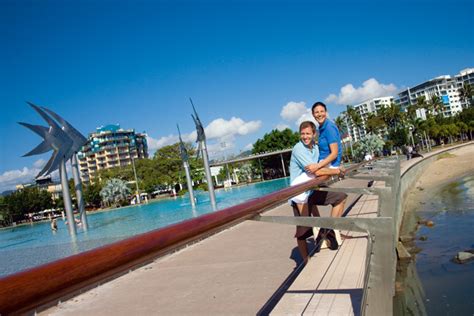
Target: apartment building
{"type": "Point", "coordinates": [110, 146]}
{"type": "Point", "coordinates": [364, 109]}
{"type": "Point", "coordinates": [446, 87]}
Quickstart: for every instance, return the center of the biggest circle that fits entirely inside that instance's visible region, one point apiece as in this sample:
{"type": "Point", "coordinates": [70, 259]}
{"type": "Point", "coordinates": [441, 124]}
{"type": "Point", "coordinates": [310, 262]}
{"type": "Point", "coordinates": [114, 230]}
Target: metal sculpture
{"type": "Point", "coordinates": [201, 140]}
{"type": "Point", "coordinates": [78, 140]}
{"type": "Point", "coordinates": [65, 141]}
{"type": "Point", "coordinates": [187, 169]}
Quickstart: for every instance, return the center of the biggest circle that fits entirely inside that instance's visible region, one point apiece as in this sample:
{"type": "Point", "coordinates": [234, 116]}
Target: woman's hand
{"type": "Point", "coordinates": [312, 168]}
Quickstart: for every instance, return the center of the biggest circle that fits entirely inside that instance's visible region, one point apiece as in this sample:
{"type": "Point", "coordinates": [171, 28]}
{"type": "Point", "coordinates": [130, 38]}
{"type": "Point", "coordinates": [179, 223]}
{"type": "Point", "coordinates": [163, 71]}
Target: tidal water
{"type": "Point", "coordinates": [448, 286]}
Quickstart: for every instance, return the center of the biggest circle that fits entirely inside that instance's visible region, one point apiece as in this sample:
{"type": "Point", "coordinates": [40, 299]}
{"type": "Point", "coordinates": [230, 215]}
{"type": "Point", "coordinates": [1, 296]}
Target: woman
{"type": "Point", "coordinates": [330, 150]}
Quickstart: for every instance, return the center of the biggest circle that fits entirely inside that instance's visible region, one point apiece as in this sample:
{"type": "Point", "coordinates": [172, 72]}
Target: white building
{"type": "Point", "coordinates": [364, 109]}
{"type": "Point", "coordinates": [445, 87]}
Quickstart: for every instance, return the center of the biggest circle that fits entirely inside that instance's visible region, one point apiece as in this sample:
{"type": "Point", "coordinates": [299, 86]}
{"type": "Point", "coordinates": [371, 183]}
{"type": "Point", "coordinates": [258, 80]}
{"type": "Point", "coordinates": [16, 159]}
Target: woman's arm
{"type": "Point", "coordinates": [323, 163]}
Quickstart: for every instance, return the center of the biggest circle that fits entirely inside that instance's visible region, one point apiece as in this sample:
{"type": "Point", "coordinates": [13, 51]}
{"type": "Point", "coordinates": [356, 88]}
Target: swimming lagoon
{"type": "Point", "coordinates": [27, 246]}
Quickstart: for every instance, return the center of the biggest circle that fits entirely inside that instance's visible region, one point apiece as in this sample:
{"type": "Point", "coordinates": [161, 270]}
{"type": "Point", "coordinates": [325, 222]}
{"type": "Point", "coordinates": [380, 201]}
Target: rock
{"type": "Point", "coordinates": [423, 238]}
{"type": "Point", "coordinates": [402, 252]}
{"type": "Point", "coordinates": [426, 223]}
{"type": "Point", "coordinates": [464, 257]}
{"type": "Point", "coordinates": [406, 238]}
{"type": "Point", "coordinates": [398, 287]}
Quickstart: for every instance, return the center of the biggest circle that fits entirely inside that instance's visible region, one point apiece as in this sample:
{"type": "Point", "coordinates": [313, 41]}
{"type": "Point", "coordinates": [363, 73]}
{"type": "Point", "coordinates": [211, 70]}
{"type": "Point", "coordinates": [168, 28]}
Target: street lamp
{"type": "Point", "coordinates": [410, 128]}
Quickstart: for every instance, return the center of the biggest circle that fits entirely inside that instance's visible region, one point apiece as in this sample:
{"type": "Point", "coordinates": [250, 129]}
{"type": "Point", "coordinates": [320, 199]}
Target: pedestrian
{"type": "Point", "coordinates": [305, 153]}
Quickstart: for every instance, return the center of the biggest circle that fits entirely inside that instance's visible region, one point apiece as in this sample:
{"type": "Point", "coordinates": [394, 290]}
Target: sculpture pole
{"type": "Point", "coordinates": [79, 195]}
{"type": "Point", "coordinates": [187, 169]}
{"type": "Point", "coordinates": [210, 184]}
{"type": "Point", "coordinates": [190, 183]}
{"type": "Point", "coordinates": [67, 198]}
{"type": "Point", "coordinates": [201, 140]}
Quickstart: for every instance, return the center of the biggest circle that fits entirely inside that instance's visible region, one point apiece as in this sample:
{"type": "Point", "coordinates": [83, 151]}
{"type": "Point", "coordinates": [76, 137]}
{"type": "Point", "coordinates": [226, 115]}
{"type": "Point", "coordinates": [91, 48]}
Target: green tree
{"type": "Point", "coordinates": [466, 93]}
{"type": "Point", "coordinates": [435, 105]}
{"type": "Point", "coordinates": [28, 200]}
{"type": "Point", "coordinates": [92, 196]}
{"type": "Point", "coordinates": [275, 140]}
{"type": "Point", "coordinates": [392, 115]}
{"type": "Point", "coordinates": [341, 124]}
{"type": "Point", "coordinates": [374, 123]}
{"type": "Point", "coordinates": [369, 144]}
{"type": "Point", "coordinates": [115, 192]}
{"type": "Point", "coordinates": [399, 136]}
{"type": "Point", "coordinates": [355, 117]}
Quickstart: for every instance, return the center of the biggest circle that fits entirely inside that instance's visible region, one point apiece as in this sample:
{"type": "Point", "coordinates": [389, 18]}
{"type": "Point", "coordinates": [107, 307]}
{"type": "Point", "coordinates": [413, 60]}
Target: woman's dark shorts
{"type": "Point", "coordinates": [319, 198]}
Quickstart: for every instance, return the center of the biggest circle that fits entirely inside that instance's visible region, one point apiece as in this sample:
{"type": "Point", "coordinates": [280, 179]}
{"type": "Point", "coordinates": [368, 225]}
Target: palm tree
{"type": "Point", "coordinates": [341, 124]}
{"type": "Point", "coordinates": [436, 105]}
{"type": "Point", "coordinates": [355, 118]}
{"type": "Point", "coordinates": [374, 123]}
{"type": "Point", "coordinates": [392, 115]}
{"type": "Point", "coordinates": [115, 191]}
{"type": "Point", "coordinates": [466, 93]}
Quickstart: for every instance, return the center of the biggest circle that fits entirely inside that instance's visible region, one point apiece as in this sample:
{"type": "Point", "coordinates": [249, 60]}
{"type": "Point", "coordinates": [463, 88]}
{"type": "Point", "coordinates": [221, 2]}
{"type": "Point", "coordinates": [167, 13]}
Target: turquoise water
{"type": "Point", "coordinates": [448, 286]}
{"type": "Point", "coordinates": [27, 246]}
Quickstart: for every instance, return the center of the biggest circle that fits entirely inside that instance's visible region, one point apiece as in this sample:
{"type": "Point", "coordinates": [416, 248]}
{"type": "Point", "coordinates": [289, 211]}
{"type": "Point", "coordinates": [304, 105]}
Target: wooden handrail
{"type": "Point", "coordinates": [26, 290]}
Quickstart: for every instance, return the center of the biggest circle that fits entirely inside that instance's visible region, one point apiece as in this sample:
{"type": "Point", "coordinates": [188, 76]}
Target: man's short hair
{"type": "Point", "coordinates": [319, 104]}
{"type": "Point", "coordinates": [307, 124]}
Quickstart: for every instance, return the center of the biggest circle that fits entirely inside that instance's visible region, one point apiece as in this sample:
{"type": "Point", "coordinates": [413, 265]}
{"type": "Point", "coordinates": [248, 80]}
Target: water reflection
{"type": "Point", "coordinates": [447, 286]}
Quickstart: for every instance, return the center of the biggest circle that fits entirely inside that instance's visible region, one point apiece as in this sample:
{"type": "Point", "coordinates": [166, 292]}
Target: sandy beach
{"type": "Point", "coordinates": [448, 168]}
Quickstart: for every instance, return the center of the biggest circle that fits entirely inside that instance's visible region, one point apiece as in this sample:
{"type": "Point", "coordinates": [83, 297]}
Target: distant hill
{"type": "Point", "coordinates": [244, 154]}
{"type": "Point", "coordinates": [5, 193]}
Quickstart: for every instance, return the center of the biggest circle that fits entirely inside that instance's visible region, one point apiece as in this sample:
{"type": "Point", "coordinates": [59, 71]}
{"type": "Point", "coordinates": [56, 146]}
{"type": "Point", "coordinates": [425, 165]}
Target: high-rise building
{"type": "Point", "coordinates": [110, 146]}
{"type": "Point", "coordinates": [445, 87]}
{"type": "Point", "coordinates": [371, 106]}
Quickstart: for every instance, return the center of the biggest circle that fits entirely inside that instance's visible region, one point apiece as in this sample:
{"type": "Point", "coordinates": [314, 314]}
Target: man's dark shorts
{"type": "Point", "coordinates": [318, 198]}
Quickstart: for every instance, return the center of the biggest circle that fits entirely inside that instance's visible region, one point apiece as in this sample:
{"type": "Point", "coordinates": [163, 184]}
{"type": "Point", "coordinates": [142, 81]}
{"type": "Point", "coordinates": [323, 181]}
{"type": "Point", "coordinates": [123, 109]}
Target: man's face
{"type": "Point", "coordinates": [306, 135]}
{"type": "Point", "coordinates": [319, 114]}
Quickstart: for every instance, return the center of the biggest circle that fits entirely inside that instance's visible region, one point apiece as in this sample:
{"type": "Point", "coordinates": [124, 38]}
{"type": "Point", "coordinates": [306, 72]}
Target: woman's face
{"type": "Point", "coordinates": [307, 135]}
{"type": "Point", "coordinates": [319, 114]}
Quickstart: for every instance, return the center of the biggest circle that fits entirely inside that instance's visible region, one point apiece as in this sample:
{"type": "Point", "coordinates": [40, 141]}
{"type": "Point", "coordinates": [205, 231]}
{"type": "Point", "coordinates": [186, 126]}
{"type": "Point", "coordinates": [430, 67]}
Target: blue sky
{"type": "Point", "coordinates": [250, 66]}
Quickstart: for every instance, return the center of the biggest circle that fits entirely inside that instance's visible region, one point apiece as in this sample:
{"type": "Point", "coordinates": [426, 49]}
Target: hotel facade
{"type": "Point", "coordinates": [446, 87]}
{"type": "Point", "coordinates": [110, 146]}
{"type": "Point", "coordinates": [364, 109]}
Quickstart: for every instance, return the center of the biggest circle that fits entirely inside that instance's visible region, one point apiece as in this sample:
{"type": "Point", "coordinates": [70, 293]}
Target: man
{"type": "Point", "coordinates": [305, 153]}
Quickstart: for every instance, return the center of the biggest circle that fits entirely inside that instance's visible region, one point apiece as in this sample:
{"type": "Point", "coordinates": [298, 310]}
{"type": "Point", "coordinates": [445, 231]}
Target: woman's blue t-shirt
{"type": "Point", "coordinates": [329, 134]}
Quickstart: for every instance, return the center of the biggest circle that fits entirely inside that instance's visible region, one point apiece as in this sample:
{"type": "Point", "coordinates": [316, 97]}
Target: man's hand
{"type": "Point", "coordinates": [312, 168]}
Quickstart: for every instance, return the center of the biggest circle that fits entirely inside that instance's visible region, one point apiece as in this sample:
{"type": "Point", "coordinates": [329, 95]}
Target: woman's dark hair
{"type": "Point", "coordinates": [307, 124]}
{"type": "Point", "coordinates": [319, 104]}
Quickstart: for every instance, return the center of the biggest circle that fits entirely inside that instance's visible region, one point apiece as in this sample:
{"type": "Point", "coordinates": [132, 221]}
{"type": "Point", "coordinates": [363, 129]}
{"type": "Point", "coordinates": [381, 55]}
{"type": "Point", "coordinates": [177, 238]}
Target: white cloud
{"type": "Point", "coordinates": [248, 146]}
{"type": "Point", "coordinates": [293, 110]}
{"type": "Point", "coordinates": [39, 163]}
{"type": "Point", "coordinates": [9, 179]}
{"type": "Point", "coordinates": [282, 126]}
{"type": "Point", "coordinates": [219, 129]}
{"type": "Point", "coordinates": [370, 88]}
{"type": "Point", "coordinates": [307, 117]}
